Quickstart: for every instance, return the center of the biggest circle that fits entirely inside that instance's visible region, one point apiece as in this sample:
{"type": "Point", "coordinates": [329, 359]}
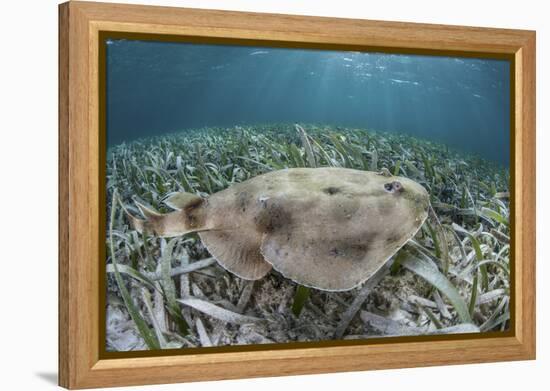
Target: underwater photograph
{"type": "Point", "coordinates": [268, 195]}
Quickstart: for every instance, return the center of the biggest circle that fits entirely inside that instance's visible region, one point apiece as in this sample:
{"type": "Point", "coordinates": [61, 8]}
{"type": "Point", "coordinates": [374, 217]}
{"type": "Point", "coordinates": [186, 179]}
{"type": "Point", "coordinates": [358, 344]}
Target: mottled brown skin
{"type": "Point", "coordinates": [327, 228]}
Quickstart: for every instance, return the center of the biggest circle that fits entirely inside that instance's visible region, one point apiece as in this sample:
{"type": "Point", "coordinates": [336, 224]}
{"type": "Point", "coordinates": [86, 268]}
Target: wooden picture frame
{"type": "Point", "coordinates": [80, 171]}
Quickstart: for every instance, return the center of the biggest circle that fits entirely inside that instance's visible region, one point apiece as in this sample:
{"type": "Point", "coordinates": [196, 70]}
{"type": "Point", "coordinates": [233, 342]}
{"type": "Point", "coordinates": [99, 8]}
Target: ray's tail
{"type": "Point", "coordinates": [188, 217]}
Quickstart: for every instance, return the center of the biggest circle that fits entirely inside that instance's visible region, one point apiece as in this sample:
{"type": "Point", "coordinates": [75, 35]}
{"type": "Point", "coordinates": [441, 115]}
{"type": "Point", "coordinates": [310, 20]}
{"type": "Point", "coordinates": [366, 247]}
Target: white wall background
{"type": "Point", "coordinates": [28, 191]}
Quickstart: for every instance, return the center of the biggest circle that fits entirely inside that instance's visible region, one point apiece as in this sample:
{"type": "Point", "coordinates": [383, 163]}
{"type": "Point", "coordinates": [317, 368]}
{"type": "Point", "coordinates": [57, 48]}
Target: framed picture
{"type": "Point", "coordinates": [247, 195]}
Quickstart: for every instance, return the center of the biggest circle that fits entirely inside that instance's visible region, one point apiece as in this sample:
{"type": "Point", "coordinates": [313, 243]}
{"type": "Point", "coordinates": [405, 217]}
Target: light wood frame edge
{"type": "Point", "coordinates": [79, 364]}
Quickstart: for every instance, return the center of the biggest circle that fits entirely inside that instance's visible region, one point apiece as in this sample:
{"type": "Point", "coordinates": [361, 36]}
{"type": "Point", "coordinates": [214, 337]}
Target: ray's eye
{"type": "Point", "coordinates": [393, 187]}
{"type": "Point", "coordinates": [397, 186]}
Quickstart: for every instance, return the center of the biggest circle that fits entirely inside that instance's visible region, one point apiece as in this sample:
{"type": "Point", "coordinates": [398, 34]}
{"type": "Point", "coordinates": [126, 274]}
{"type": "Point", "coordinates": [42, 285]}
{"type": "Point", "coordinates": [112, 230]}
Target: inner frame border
{"type": "Point", "coordinates": [104, 35]}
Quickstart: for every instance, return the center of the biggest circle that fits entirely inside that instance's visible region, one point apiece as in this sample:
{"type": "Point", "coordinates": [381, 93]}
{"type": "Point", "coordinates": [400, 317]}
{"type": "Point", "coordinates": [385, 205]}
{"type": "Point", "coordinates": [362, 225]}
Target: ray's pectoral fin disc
{"type": "Point", "coordinates": [339, 239]}
{"type": "Point", "coordinates": [238, 251]}
{"type": "Point", "coordinates": [336, 264]}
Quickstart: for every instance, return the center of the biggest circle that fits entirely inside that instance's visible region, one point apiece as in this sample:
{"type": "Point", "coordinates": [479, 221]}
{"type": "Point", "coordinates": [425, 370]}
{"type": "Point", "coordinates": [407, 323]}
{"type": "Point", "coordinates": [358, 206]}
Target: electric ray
{"type": "Point", "coordinates": [326, 228]}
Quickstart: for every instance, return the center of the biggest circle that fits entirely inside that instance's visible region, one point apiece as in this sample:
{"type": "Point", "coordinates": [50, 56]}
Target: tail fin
{"type": "Point", "coordinates": [177, 223]}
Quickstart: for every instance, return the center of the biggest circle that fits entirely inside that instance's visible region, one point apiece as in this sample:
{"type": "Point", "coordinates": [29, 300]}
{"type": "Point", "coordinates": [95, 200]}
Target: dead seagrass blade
{"type": "Point", "coordinates": [326, 228]}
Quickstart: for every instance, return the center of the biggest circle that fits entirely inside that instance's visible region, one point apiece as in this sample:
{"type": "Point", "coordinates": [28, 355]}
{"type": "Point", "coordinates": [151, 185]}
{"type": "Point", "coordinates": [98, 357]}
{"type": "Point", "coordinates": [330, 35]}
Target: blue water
{"type": "Point", "coordinates": [159, 87]}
